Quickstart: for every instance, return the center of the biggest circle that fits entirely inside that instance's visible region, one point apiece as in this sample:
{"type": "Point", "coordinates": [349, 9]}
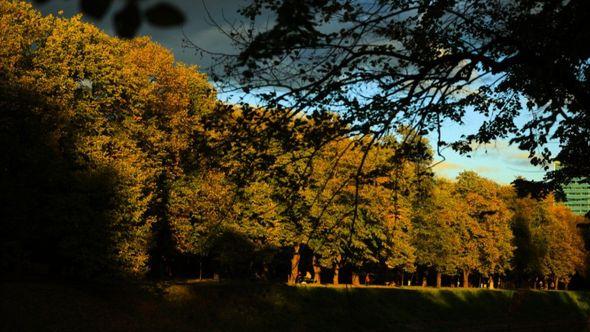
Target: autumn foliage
{"type": "Point", "coordinates": [119, 161]}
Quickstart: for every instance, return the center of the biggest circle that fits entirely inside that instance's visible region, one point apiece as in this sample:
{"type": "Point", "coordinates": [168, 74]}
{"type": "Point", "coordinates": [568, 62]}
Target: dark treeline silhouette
{"type": "Point", "coordinates": [54, 216]}
{"type": "Point", "coordinates": [118, 162]}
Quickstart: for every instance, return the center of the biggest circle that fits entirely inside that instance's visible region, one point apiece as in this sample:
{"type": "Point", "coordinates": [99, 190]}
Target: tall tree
{"type": "Point", "coordinates": [562, 244]}
{"type": "Point", "coordinates": [443, 234]}
{"type": "Point", "coordinates": [118, 115]}
{"type": "Point", "coordinates": [491, 218]}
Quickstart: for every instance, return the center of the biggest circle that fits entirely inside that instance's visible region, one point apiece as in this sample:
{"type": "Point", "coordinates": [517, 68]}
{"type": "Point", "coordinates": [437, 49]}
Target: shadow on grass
{"type": "Point", "coordinates": [271, 307]}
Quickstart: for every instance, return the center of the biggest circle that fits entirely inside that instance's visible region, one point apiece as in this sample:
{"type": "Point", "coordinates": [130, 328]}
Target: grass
{"type": "Point", "coordinates": [44, 306]}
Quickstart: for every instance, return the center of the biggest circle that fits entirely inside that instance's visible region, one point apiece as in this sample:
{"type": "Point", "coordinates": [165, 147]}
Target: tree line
{"type": "Point", "coordinates": [118, 161]}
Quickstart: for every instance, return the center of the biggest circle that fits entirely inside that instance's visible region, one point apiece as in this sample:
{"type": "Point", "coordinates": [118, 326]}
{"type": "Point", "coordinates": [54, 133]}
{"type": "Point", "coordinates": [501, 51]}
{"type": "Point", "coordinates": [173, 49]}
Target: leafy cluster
{"type": "Point", "coordinates": [95, 129]}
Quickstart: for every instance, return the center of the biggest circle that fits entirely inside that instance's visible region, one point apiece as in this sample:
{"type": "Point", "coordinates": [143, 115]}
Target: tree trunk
{"type": "Point", "coordinates": [438, 279]}
{"type": "Point", "coordinates": [294, 265]}
{"type": "Point", "coordinates": [356, 280]}
{"type": "Point", "coordinates": [545, 284]}
{"type": "Point", "coordinates": [336, 271]}
{"type": "Point", "coordinates": [465, 279]}
{"type": "Point", "coordinates": [263, 272]}
{"type": "Point", "coordinates": [491, 283]}
{"type": "Point", "coordinates": [317, 271]}
{"type": "Point", "coordinates": [402, 283]}
{"type": "Point", "coordinates": [556, 283]}
{"type": "Point", "coordinates": [200, 268]}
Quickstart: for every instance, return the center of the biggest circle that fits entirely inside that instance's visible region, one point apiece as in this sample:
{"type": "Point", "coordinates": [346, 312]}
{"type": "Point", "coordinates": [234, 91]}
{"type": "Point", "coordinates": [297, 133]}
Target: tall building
{"type": "Point", "coordinates": [577, 196]}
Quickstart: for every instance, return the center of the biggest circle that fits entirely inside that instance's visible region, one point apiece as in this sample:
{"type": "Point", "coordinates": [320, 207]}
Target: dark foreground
{"type": "Point", "coordinates": [44, 306]}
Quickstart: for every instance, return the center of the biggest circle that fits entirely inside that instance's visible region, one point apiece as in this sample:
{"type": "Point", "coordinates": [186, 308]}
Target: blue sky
{"type": "Point", "coordinates": [498, 161]}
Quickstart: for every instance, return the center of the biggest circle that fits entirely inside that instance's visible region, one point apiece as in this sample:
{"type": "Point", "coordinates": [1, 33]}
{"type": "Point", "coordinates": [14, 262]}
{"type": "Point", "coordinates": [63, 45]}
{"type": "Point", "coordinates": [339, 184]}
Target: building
{"type": "Point", "coordinates": [577, 196]}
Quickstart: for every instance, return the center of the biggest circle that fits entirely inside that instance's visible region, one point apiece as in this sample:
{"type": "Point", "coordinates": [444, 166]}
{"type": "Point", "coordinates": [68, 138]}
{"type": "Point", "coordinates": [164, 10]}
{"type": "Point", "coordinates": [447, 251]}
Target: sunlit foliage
{"type": "Point", "coordinates": [119, 161]}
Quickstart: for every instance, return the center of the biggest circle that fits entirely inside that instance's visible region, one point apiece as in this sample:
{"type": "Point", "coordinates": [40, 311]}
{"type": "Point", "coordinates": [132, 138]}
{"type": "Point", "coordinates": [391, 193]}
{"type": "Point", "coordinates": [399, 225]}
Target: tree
{"type": "Point", "coordinates": [267, 160]}
{"type": "Point", "coordinates": [562, 244]}
{"type": "Point", "coordinates": [409, 184]}
{"type": "Point", "coordinates": [366, 223]}
{"type": "Point", "coordinates": [527, 213]}
{"type": "Point", "coordinates": [108, 236]}
{"type": "Point", "coordinates": [386, 63]}
{"type": "Point", "coordinates": [119, 119]}
{"type": "Point", "coordinates": [491, 219]}
{"type": "Point", "coordinates": [443, 234]}
{"type": "Point", "coordinates": [548, 243]}
{"type": "Point", "coordinates": [389, 227]}
{"type": "Point", "coordinates": [200, 208]}
{"type": "Point", "coordinates": [330, 197]}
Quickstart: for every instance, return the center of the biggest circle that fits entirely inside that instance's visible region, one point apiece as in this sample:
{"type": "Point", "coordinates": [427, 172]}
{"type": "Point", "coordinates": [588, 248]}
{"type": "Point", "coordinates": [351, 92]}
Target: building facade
{"type": "Point", "coordinates": [577, 196]}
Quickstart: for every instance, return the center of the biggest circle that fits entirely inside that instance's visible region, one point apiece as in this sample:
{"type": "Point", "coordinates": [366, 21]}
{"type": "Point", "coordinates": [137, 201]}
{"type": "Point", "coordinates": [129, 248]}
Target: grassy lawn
{"type": "Point", "coordinates": [45, 306]}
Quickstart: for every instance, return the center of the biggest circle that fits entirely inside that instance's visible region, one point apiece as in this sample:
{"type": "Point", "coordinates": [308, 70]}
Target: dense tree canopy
{"type": "Point", "coordinates": [443, 236]}
{"type": "Point", "coordinates": [119, 161]}
{"type": "Point", "coordinates": [115, 118]}
{"type": "Point", "coordinates": [547, 242]}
